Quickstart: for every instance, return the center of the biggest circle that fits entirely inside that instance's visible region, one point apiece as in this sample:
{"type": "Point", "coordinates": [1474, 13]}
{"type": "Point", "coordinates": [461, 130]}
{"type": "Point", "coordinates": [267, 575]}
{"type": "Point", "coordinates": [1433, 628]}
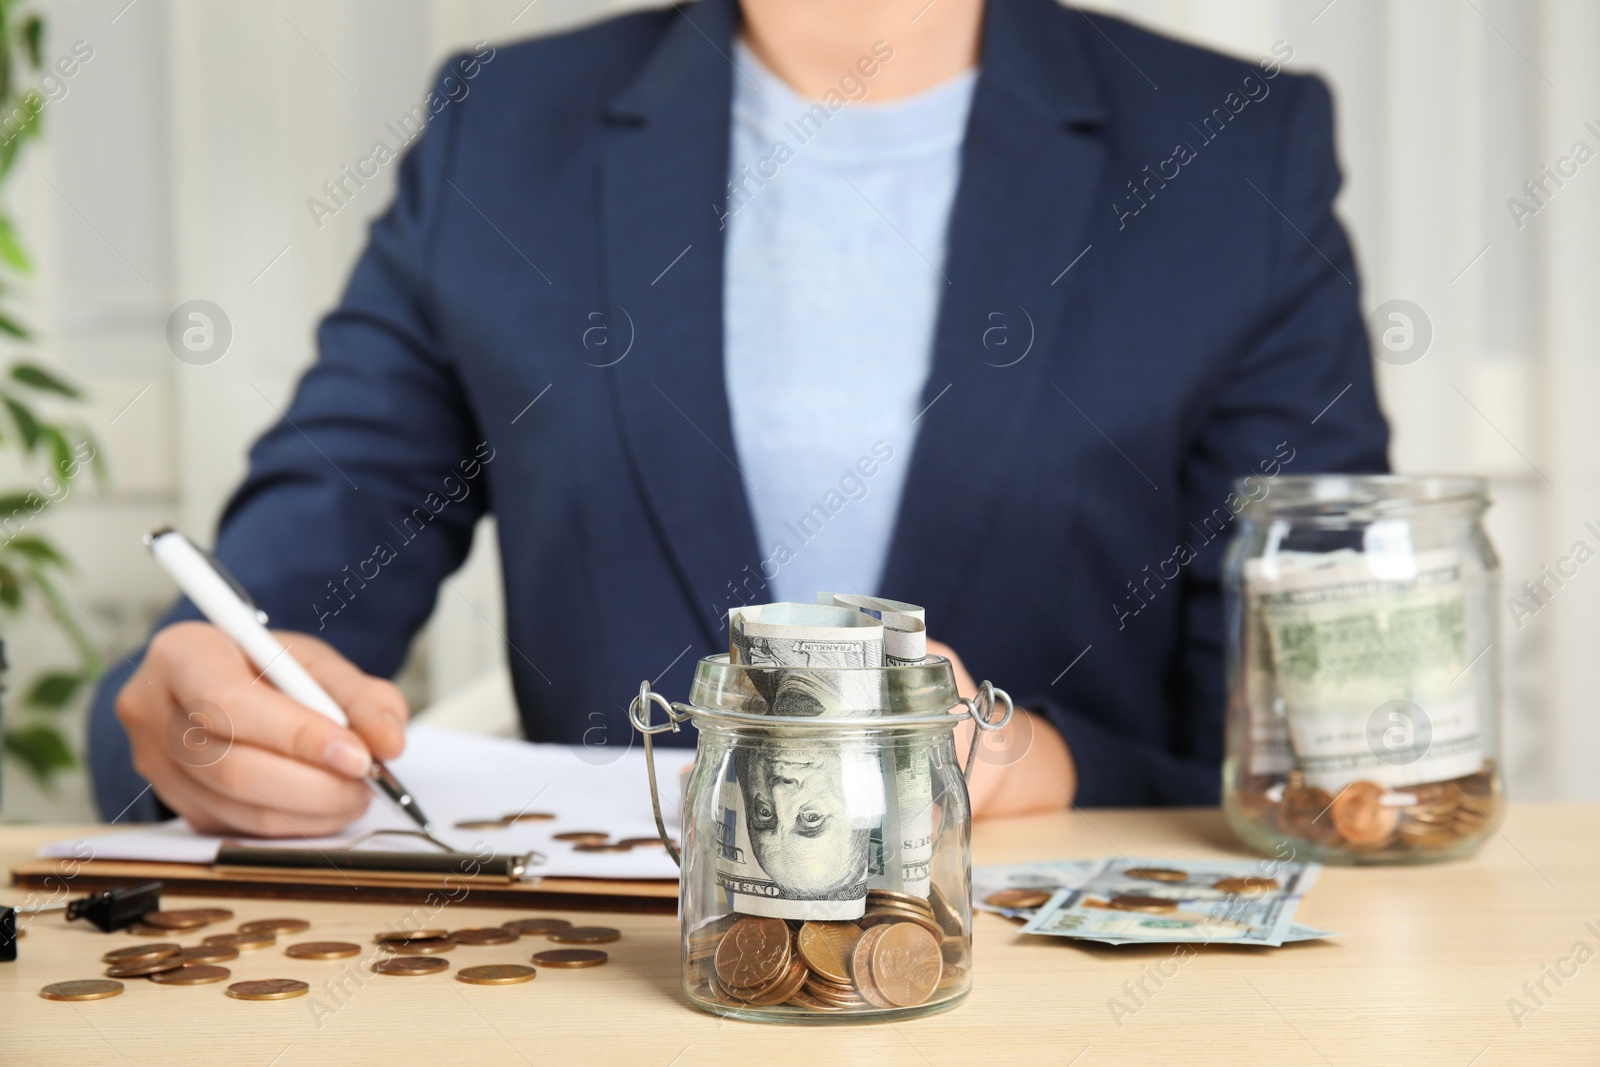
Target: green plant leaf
{"type": "Point", "coordinates": [10, 589]}
{"type": "Point", "coordinates": [11, 248]}
{"type": "Point", "coordinates": [12, 503]}
{"type": "Point", "coordinates": [27, 424]}
{"type": "Point", "coordinates": [33, 38]}
{"type": "Point", "coordinates": [14, 328]}
{"type": "Point", "coordinates": [36, 377]}
{"type": "Point", "coordinates": [53, 690]}
{"type": "Point", "coordinates": [37, 549]}
{"type": "Point", "coordinates": [41, 750]}
{"type": "Point", "coordinates": [61, 460]}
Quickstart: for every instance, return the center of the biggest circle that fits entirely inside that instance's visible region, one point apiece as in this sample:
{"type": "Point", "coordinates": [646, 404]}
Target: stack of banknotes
{"type": "Point", "coordinates": [1122, 901]}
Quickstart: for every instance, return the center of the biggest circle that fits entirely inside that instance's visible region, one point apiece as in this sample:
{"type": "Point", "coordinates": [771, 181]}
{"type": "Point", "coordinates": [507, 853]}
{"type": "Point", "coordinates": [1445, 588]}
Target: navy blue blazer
{"type": "Point", "coordinates": [1148, 297]}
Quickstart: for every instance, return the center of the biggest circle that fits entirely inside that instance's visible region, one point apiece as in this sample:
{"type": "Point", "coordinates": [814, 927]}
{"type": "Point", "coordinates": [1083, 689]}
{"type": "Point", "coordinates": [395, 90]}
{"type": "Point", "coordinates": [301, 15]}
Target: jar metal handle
{"type": "Point", "coordinates": [981, 707]}
{"type": "Point", "coordinates": [639, 715]}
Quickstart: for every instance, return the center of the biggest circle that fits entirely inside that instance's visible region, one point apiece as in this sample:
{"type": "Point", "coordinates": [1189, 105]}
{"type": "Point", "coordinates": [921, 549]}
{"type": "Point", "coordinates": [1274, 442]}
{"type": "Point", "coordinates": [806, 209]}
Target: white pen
{"type": "Point", "coordinates": [229, 608]}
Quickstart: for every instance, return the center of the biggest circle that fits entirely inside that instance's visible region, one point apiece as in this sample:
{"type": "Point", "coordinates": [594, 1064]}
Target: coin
{"type": "Point", "coordinates": [496, 974]}
{"type": "Point", "coordinates": [1019, 898]}
{"type": "Point", "coordinates": [396, 936]}
{"type": "Point", "coordinates": [484, 935]}
{"type": "Point", "coordinates": [274, 926]}
{"type": "Point", "coordinates": [643, 842]}
{"type": "Point", "coordinates": [1301, 813]}
{"type": "Point", "coordinates": [906, 966]}
{"type": "Point", "coordinates": [268, 989]}
{"type": "Point", "coordinates": [826, 946]}
{"type": "Point", "coordinates": [802, 999]}
{"type": "Point", "coordinates": [861, 966]}
{"type": "Point", "coordinates": [601, 846]}
{"type": "Point", "coordinates": [534, 927]}
{"type": "Point", "coordinates": [584, 935]}
{"type": "Point", "coordinates": [192, 974]}
{"type": "Point", "coordinates": [570, 957]}
{"type": "Point", "coordinates": [1360, 817]}
{"type": "Point", "coordinates": [907, 900]}
{"type": "Point", "coordinates": [528, 816]}
{"type": "Point", "coordinates": [786, 986]}
{"type": "Point", "coordinates": [1133, 902]}
{"type": "Point", "coordinates": [1156, 874]}
{"type": "Point", "coordinates": [753, 952]}
{"type": "Point", "coordinates": [949, 920]}
{"type": "Point", "coordinates": [954, 949]}
{"type": "Point", "coordinates": [322, 950]}
{"type": "Point", "coordinates": [879, 914]}
{"type": "Point", "coordinates": [1246, 884]}
{"type": "Point", "coordinates": [209, 954]}
{"type": "Point", "coordinates": [146, 930]}
{"type": "Point", "coordinates": [587, 836]}
{"type": "Point", "coordinates": [144, 967]}
{"type": "Point", "coordinates": [140, 953]}
{"type": "Point", "coordinates": [481, 824]}
{"type": "Point", "coordinates": [81, 989]}
{"type": "Point", "coordinates": [241, 941]}
{"type": "Point", "coordinates": [432, 946]}
{"type": "Point", "coordinates": [186, 919]}
{"type": "Point", "coordinates": [411, 965]}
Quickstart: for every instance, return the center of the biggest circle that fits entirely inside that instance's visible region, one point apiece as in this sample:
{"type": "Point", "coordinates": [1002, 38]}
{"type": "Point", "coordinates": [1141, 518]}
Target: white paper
{"type": "Point", "coordinates": [458, 777]}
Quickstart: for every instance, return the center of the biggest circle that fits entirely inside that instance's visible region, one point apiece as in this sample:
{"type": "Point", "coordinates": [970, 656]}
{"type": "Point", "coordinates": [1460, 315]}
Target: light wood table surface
{"type": "Point", "coordinates": [1431, 959]}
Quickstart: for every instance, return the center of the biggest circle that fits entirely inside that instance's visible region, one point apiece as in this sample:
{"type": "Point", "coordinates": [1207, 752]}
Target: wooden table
{"type": "Point", "coordinates": [1431, 963]}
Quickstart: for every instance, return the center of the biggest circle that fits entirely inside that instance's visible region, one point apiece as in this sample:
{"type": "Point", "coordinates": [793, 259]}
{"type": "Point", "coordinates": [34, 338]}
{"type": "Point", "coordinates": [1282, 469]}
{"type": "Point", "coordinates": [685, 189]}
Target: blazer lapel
{"type": "Point", "coordinates": [663, 183]}
{"type": "Point", "coordinates": [1031, 160]}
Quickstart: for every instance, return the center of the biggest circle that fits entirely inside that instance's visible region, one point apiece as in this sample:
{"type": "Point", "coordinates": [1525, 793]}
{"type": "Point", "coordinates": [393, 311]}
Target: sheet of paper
{"type": "Point", "coordinates": [458, 777]}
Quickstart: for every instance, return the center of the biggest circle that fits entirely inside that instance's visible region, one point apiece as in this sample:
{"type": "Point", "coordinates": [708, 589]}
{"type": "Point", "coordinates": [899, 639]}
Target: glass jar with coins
{"type": "Point", "coordinates": [826, 838]}
{"type": "Point", "coordinates": [1363, 677]}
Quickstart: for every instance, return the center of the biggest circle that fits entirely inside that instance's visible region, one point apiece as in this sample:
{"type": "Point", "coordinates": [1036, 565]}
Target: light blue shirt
{"type": "Point", "coordinates": [836, 224]}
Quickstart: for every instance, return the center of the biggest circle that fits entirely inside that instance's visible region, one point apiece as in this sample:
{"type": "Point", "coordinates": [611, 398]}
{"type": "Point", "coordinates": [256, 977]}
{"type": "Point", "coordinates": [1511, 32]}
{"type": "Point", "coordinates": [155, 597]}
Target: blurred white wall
{"type": "Point", "coordinates": [179, 164]}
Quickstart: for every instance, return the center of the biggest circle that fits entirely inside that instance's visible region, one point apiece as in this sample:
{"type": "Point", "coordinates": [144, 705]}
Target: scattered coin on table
{"type": "Point", "coordinates": [497, 974]}
{"type": "Point", "coordinates": [570, 957]}
{"type": "Point", "coordinates": [1019, 898]}
{"type": "Point", "coordinates": [601, 846]}
{"type": "Point", "coordinates": [535, 927]}
{"type": "Point", "coordinates": [209, 954]}
{"type": "Point", "coordinates": [411, 965]}
{"type": "Point", "coordinates": [584, 935]}
{"type": "Point", "coordinates": [82, 989]}
{"type": "Point", "coordinates": [431, 946]}
{"type": "Point", "coordinates": [146, 930]}
{"type": "Point", "coordinates": [1133, 902]}
{"type": "Point", "coordinates": [137, 953]}
{"type": "Point", "coordinates": [322, 950]}
{"type": "Point", "coordinates": [241, 941]}
{"type": "Point", "coordinates": [1156, 874]}
{"type": "Point", "coordinates": [268, 989]}
{"type": "Point", "coordinates": [484, 935]}
{"type": "Point", "coordinates": [396, 936]}
{"type": "Point", "coordinates": [642, 842]}
{"type": "Point", "coordinates": [481, 824]}
{"type": "Point", "coordinates": [274, 926]}
{"type": "Point", "coordinates": [593, 837]}
{"type": "Point", "coordinates": [1246, 885]}
{"type": "Point", "coordinates": [144, 967]}
{"type": "Point", "coordinates": [187, 918]}
{"type": "Point", "coordinates": [192, 974]}
{"type": "Point", "coordinates": [528, 816]}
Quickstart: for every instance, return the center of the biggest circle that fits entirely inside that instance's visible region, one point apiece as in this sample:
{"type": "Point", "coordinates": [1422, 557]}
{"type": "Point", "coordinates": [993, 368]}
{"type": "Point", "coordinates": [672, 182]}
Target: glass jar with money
{"type": "Point", "coordinates": [1363, 679]}
{"type": "Point", "coordinates": [826, 863]}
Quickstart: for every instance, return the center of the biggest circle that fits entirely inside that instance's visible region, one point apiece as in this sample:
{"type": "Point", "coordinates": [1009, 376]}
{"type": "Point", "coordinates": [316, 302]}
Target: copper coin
{"type": "Point", "coordinates": [1133, 902]}
{"type": "Point", "coordinates": [785, 987]}
{"type": "Point", "coordinates": [484, 935]}
{"type": "Point", "coordinates": [322, 950]}
{"type": "Point", "coordinates": [805, 1000]}
{"type": "Point", "coordinates": [268, 989]}
{"type": "Point", "coordinates": [411, 965]}
{"type": "Point", "coordinates": [192, 974]}
{"type": "Point", "coordinates": [601, 846]}
{"type": "Point", "coordinates": [141, 953]}
{"type": "Point", "coordinates": [143, 967]}
{"type": "Point", "coordinates": [642, 842]}
{"type": "Point", "coordinates": [826, 946]}
{"type": "Point", "coordinates": [584, 935]}
{"type": "Point", "coordinates": [209, 954]}
{"type": "Point", "coordinates": [753, 952]}
{"type": "Point", "coordinates": [433, 946]}
{"type": "Point", "coordinates": [81, 989]}
{"type": "Point", "coordinates": [1246, 884]}
{"type": "Point", "coordinates": [1156, 874]}
{"type": "Point", "coordinates": [906, 965]}
{"type": "Point", "coordinates": [954, 949]}
{"type": "Point", "coordinates": [496, 974]}
{"type": "Point", "coordinates": [274, 926]}
{"type": "Point", "coordinates": [588, 836]}
{"type": "Point", "coordinates": [146, 930]}
{"type": "Point", "coordinates": [1301, 814]}
{"type": "Point", "coordinates": [879, 915]}
{"type": "Point", "coordinates": [906, 900]}
{"type": "Point", "coordinates": [395, 936]}
{"type": "Point", "coordinates": [570, 957]}
{"type": "Point", "coordinates": [861, 967]}
{"type": "Point", "coordinates": [1014, 899]}
{"type": "Point", "coordinates": [534, 927]}
{"type": "Point", "coordinates": [1360, 817]}
{"type": "Point", "coordinates": [187, 918]}
{"type": "Point", "coordinates": [241, 941]}
{"type": "Point", "coordinates": [482, 824]}
{"type": "Point", "coordinates": [945, 914]}
{"type": "Point", "coordinates": [528, 816]}
{"type": "Point", "coordinates": [845, 996]}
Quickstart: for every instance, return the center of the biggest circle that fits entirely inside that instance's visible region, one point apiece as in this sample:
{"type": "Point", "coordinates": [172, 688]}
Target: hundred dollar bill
{"type": "Point", "coordinates": [905, 844]}
{"type": "Point", "coordinates": [797, 818]}
{"type": "Point", "coordinates": [1160, 901]}
{"type": "Point", "coordinates": [1367, 655]}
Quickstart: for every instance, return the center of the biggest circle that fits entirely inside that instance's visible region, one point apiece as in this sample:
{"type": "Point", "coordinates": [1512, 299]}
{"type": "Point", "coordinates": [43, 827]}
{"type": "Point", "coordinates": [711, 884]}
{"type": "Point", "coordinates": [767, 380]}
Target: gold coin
{"type": "Point", "coordinates": [395, 936]}
{"type": "Point", "coordinates": [906, 966]}
{"type": "Point", "coordinates": [1156, 874]}
{"type": "Point", "coordinates": [268, 989]}
{"type": "Point", "coordinates": [1019, 899]}
{"type": "Point", "coordinates": [209, 954]}
{"type": "Point", "coordinates": [186, 919]}
{"type": "Point", "coordinates": [535, 927]}
{"type": "Point", "coordinates": [274, 926]}
{"type": "Point", "coordinates": [322, 950]}
{"type": "Point", "coordinates": [570, 957]}
{"type": "Point", "coordinates": [192, 974]}
{"type": "Point", "coordinates": [241, 941]}
{"type": "Point", "coordinates": [826, 946]}
{"type": "Point", "coordinates": [144, 967]}
{"type": "Point", "coordinates": [584, 935]}
{"type": "Point", "coordinates": [433, 946]}
{"type": "Point", "coordinates": [754, 952]}
{"type": "Point", "coordinates": [484, 935]}
{"type": "Point", "coordinates": [81, 989]}
{"type": "Point", "coordinates": [496, 974]}
{"type": "Point", "coordinates": [1133, 902]}
{"type": "Point", "coordinates": [587, 836]}
{"type": "Point", "coordinates": [1246, 885]}
{"type": "Point", "coordinates": [411, 965]}
{"type": "Point", "coordinates": [1361, 818]}
{"type": "Point", "coordinates": [141, 953]}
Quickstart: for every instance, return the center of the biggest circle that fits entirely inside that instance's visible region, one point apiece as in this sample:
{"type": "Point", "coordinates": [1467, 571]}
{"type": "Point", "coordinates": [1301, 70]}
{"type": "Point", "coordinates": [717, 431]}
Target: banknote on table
{"type": "Point", "coordinates": [1164, 901]}
{"type": "Point", "coordinates": [905, 843]}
